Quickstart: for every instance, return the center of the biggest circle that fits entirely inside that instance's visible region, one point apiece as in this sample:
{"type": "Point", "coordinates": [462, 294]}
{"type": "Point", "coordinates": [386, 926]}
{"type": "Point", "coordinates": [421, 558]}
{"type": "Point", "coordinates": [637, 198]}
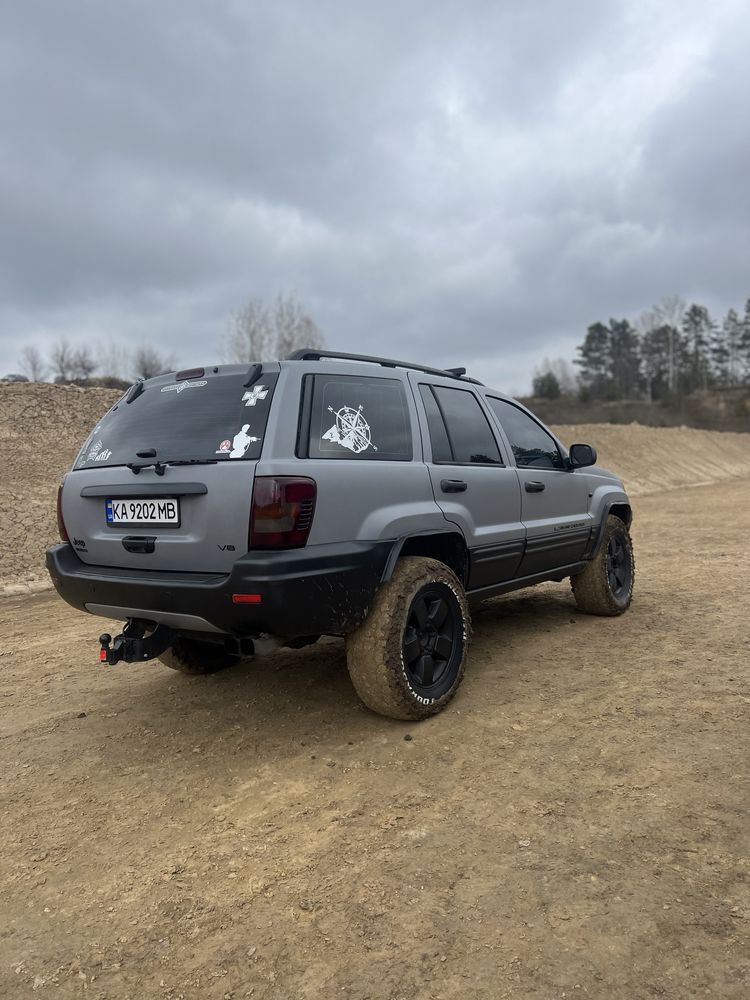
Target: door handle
{"type": "Point", "coordinates": [453, 485]}
{"type": "Point", "coordinates": [534, 487]}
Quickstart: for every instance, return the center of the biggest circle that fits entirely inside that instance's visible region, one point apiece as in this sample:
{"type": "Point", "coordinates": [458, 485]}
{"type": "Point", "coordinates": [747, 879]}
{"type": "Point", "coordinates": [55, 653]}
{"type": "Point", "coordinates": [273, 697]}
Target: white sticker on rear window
{"type": "Point", "coordinates": [224, 447]}
{"type": "Point", "coordinates": [183, 385]}
{"type": "Point", "coordinates": [94, 450]}
{"type": "Point", "coordinates": [241, 442]}
{"type": "Point", "coordinates": [252, 396]}
{"type": "Point", "coordinates": [351, 430]}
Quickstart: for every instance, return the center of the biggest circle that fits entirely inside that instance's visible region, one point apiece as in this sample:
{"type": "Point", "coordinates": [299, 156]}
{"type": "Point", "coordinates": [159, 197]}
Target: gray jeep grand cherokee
{"type": "Point", "coordinates": [223, 511]}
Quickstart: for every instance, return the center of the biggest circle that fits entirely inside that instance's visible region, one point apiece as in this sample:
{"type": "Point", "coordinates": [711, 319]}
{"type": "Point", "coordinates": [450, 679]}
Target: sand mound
{"type": "Point", "coordinates": [43, 426]}
{"type": "Point", "coordinates": [41, 429]}
{"type": "Point", "coordinates": [651, 459]}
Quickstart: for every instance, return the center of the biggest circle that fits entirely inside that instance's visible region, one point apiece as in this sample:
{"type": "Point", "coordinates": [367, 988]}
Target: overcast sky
{"type": "Point", "coordinates": [451, 182]}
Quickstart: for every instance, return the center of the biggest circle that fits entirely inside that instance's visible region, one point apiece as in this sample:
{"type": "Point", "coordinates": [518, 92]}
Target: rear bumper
{"type": "Point", "coordinates": [325, 589]}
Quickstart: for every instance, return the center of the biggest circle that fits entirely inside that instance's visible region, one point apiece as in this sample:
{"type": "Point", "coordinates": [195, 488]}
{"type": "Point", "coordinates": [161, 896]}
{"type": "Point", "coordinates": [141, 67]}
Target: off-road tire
{"type": "Point", "coordinates": [376, 656]}
{"type": "Point", "coordinates": [194, 656]}
{"type": "Point", "coordinates": [593, 589]}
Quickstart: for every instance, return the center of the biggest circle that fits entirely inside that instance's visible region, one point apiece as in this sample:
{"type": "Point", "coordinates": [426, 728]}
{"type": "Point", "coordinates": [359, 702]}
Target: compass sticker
{"type": "Point", "coordinates": [350, 430]}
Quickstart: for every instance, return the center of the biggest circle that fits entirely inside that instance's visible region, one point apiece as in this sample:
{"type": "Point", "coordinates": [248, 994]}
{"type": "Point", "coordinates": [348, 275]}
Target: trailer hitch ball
{"type": "Point", "coordinates": [132, 645]}
{"type": "Point", "coordinates": [105, 638]}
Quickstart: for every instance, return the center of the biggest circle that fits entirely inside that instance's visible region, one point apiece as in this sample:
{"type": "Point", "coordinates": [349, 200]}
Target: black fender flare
{"type": "Point", "coordinates": [597, 534]}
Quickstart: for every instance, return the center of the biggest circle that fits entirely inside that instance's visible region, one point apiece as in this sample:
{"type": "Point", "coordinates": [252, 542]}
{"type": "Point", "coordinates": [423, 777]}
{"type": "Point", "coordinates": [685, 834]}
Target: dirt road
{"type": "Point", "coordinates": [576, 824]}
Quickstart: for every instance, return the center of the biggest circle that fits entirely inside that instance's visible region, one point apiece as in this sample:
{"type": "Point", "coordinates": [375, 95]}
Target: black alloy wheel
{"type": "Point", "coordinates": [619, 566]}
{"type": "Point", "coordinates": [433, 640]}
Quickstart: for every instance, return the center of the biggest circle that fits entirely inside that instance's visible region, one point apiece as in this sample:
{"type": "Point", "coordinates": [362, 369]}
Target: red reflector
{"type": "Point", "coordinates": [103, 655]}
{"type": "Point", "coordinates": [246, 598]}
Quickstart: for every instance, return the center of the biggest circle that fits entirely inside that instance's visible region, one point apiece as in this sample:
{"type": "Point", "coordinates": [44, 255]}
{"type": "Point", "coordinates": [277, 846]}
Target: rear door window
{"type": "Point", "coordinates": [532, 445]}
{"type": "Point", "coordinates": [214, 417]}
{"type": "Point", "coordinates": [441, 446]}
{"type": "Point", "coordinates": [458, 417]}
{"type": "Point", "coordinates": [355, 417]}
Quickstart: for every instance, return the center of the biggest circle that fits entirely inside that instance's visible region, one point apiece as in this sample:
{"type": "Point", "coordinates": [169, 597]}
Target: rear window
{"type": "Point", "coordinates": [358, 417]}
{"type": "Point", "coordinates": [211, 418]}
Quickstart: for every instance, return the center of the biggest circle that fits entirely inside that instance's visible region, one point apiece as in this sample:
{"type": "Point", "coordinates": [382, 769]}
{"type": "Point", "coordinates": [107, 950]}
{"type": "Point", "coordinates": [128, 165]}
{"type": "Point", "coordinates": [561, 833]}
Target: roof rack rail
{"type": "Point", "coordinates": [309, 354]}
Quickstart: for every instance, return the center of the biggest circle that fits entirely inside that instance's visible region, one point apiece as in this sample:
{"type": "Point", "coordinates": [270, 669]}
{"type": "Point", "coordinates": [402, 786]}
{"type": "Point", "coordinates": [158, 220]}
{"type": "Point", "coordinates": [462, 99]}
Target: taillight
{"type": "Point", "coordinates": [60, 523]}
{"type": "Point", "coordinates": [282, 512]}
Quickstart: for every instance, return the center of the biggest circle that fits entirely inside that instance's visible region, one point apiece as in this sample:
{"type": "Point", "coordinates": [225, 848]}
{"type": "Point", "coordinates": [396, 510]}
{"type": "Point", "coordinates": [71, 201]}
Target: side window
{"type": "Point", "coordinates": [441, 446]}
{"type": "Point", "coordinates": [359, 417]}
{"type": "Point", "coordinates": [466, 435]}
{"type": "Point", "coordinates": [531, 444]}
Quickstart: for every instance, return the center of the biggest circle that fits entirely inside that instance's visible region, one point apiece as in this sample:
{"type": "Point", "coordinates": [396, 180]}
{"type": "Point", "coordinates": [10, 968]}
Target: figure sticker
{"type": "Point", "coordinates": [252, 396]}
{"type": "Point", "coordinates": [350, 430]}
{"type": "Point", "coordinates": [241, 442]}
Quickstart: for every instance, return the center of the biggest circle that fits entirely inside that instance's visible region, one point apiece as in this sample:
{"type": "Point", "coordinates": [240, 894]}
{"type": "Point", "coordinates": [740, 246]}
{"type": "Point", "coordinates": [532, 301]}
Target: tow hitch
{"type": "Point", "coordinates": [133, 645]}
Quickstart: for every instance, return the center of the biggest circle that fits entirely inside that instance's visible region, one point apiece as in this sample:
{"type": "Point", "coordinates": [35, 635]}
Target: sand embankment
{"type": "Point", "coordinates": [43, 426]}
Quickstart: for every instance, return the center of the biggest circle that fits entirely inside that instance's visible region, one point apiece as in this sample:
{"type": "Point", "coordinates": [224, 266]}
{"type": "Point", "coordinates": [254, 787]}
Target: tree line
{"type": "Point", "coordinates": [257, 331]}
{"type": "Point", "coordinates": [669, 352]}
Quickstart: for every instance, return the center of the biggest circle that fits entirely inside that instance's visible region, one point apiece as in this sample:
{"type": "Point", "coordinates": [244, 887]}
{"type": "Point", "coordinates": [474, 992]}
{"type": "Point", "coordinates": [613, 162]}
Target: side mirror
{"type": "Point", "coordinates": [581, 455]}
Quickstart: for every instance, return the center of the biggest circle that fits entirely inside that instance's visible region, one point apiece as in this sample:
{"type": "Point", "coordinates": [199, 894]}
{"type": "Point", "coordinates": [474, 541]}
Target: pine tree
{"type": "Point", "coordinates": [595, 361]}
{"type": "Point", "coordinates": [625, 360]}
{"type": "Point", "coordinates": [655, 351]}
{"type": "Point", "coordinates": [695, 369]}
{"type": "Point", "coordinates": [743, 350]}
{"type": "Point", "coordinates": [725, 351]}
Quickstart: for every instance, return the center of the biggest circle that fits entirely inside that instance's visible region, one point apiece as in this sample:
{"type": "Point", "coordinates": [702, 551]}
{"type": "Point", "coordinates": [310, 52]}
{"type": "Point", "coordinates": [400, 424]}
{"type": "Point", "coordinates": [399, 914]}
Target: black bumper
{"type": "Point", "coordinates": [325, 589]}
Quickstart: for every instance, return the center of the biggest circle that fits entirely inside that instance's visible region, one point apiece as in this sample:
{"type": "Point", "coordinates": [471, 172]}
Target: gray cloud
{"type": "Point", "coordinates": [454, 182]}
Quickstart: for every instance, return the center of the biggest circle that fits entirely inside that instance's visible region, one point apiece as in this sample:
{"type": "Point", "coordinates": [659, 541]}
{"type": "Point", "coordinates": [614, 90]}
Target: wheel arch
{"type": "Point", "coordinates": [448, 547]}
{"type": "Point", "coordinates": [622, 510]}
{"type": "Point", "coordinates": [617, 507]}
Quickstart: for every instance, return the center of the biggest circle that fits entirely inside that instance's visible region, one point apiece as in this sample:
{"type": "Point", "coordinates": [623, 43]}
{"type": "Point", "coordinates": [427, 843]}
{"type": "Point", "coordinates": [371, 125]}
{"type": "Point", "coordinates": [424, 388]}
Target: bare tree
{"type": "Point", "coordinates": [148, 362]}
{"type": "Point", "coordinates": [32, 363]}
{"type": "Point", "coordinates": [82, 364]}
{"type": "Point", "coordinates": [258, 331]}
{"type": "Point", "coordinates": [250, 336]}
{"type": "Point", "coordinates": [111, 360]}
{"type": "Point", "coordinates": [61, 361]}
{"type": "Point", "coordinates": [293, 326]}
{"type": "Point", "coordinates": [670, 313]}
{"type": "Point", "coordinates": [563, 372]}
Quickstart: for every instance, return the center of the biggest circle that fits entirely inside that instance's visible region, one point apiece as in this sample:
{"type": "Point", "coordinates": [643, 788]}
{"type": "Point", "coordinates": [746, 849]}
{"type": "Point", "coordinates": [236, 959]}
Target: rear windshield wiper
{"type": "Point", "coordinates": [158, 467]}
{"type": "Point", "coordinates": [161, 467]}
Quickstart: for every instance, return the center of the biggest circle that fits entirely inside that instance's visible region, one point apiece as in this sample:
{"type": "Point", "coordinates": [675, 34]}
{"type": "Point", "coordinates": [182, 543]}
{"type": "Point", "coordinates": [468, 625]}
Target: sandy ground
{"type": "Point", "coordinates": [43, 426]}
{"type": "Point", "coordinates": [575, 824]}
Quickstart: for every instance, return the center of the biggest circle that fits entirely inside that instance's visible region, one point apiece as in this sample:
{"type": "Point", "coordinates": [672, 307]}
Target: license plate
{"type": "Point", "coordinates": [164, 512]}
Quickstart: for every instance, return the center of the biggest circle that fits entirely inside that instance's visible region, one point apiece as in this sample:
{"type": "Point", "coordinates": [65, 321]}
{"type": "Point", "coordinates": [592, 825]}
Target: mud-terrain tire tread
{"type": "Point", "coordinates": [192, 656]}
{"type": "Point", "coordinates": [374, 651]}
{"type": "Point", "coordinates": [591, 588]}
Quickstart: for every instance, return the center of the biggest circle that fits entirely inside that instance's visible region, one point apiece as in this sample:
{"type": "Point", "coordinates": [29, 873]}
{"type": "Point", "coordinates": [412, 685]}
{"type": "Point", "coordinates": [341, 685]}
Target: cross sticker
{"type": "Point", "coordinates": [252, 396]}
